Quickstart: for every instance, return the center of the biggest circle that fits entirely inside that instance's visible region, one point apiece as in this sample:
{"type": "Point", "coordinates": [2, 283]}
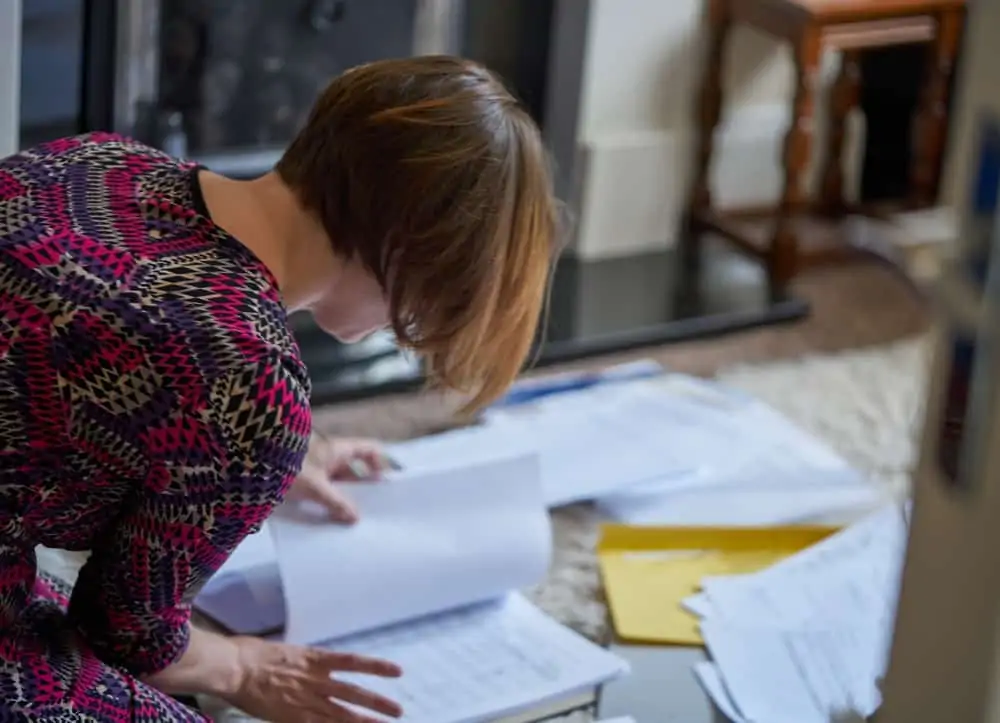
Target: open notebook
{"type": "Point", "coordinates": [425, 580]}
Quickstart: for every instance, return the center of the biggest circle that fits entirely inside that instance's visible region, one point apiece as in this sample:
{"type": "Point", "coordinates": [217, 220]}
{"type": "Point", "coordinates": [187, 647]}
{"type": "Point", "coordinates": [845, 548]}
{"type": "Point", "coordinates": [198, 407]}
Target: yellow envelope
{"type": "Point", "coordinates": [648, 571]}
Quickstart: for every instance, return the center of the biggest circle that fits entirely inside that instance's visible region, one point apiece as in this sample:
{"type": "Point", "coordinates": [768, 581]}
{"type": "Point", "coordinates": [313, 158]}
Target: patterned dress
{"type": "Point", "coordinates": [153, 410]}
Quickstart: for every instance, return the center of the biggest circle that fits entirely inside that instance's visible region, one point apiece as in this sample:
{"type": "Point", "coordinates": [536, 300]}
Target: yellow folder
{"type": "Point", "coordinates": [648, 571]}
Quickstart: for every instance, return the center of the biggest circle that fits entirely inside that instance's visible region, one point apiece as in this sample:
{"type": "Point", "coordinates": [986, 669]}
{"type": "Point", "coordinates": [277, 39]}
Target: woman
{"type": "Point", "coordinates": [153, 405]}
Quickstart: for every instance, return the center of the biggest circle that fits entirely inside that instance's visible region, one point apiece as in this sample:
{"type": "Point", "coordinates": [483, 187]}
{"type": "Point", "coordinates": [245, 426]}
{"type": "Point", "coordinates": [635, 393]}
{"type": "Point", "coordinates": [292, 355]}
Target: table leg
{"type": "Point", "coordinates": [708, 113]}
{"type": "Point", "coordinates": [782, 257]}
{"type": "Point", "coordinates": [930, 128]}
{"type": "Point", "coordinates": [843, 99]}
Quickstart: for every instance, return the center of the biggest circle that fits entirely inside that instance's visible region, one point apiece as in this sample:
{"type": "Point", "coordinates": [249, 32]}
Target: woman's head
{"type": "Point", "coordinates": [428, 176]}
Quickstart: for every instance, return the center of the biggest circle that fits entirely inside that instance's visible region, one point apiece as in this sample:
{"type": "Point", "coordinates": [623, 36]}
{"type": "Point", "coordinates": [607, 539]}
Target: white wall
{"type": "Point", "coordinates": [634, 144]}
{"type": "Point", "coordinates": [10, 74]}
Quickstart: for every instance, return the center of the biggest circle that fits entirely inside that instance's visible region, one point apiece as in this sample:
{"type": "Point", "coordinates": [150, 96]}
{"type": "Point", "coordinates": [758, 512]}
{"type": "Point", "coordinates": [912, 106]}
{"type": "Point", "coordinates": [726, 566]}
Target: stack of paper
{"type": "Point", "coordinates": [424, 579]}
{"type": "Point", "coordinates": [807, 638]}
{"type": "Point", "coordinates": [672, 449]}
{"type": "Point", "coordinates": [484, 663]}
{"type": "Point", "coordinates": [592, 442]}
{"type": "Point", "coordinates": [763, 470]}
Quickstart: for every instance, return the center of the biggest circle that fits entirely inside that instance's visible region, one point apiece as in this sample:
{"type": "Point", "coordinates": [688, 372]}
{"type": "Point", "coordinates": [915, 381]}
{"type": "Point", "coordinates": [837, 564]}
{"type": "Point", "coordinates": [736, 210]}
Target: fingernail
{"type": "Point", "coordinates": [358, 468]}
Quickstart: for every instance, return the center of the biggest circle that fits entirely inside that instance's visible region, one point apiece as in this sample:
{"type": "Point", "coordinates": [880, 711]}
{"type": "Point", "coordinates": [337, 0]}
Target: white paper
{"type": "Point", "coordinates": [424, 543]}
{"type": "Point", "coordinates": [698, 604]}
{"type": "Point", "coordinates": [456, 447]}
{"type": "Point", "coordinates": [599, 440]}
{"type": "Point", "coordinates": [703, 502]}
{"type": "Point", "coordinates": [715, 688]}
{"type": "Point", "coordinates": [622, 719]}
{"type": "Point", "coordinates": [761, 470]}
{"type": "Point", "coordinates": [796, 676]}
{"type": "Point", "coordinates": [244, 594]}
{"type": "Point", "coordinates": [808, 637]}
{"type": "Point", "coordinates": [482, 663]}
{"type": "Point", "coordinates": [852, 575]}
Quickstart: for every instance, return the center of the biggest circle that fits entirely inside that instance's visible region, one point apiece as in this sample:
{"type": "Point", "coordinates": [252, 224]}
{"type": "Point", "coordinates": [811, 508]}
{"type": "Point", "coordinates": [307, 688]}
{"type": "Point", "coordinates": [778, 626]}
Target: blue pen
{"type": "Point", "coordinates": [531, 390]}
{"type": "Point", "coordinates": [555, 386]}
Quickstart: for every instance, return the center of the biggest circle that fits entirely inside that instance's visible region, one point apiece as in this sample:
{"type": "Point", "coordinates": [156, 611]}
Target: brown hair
{"type": "Point", "coordinates": [432, 174]}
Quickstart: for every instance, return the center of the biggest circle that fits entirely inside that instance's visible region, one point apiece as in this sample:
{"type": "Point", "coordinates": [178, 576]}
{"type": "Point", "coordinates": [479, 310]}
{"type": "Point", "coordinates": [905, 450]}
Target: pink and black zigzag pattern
{"type": "Point", "coordinates": [153, 409]}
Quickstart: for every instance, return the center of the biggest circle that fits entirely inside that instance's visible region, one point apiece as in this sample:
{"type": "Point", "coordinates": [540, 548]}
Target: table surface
{"type": "Point", "coordinates": [661, 687]}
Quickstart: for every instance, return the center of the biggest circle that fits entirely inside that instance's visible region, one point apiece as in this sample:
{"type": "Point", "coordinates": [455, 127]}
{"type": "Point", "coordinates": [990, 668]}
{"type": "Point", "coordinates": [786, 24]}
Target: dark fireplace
{"type": "Point", "coordinates": [227, 83]}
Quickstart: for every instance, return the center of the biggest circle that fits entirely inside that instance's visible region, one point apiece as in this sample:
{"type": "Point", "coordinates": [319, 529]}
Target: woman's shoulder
{"type": "Point", "coordinates": [96, 146]}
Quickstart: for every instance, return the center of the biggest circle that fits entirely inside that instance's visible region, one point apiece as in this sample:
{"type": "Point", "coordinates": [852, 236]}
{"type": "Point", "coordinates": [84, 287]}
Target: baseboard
{"type": "Point", "coordinates": [632, 185]}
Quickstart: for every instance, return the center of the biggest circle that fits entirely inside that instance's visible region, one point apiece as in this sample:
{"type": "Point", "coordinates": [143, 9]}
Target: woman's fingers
{"type": "Point", "coordinates": [326, 663]}
{"type": "Point", "coordinates": [352, 663]}
{"type": "Point", "coordinates": [356, 695]}
{"type": "Point", "coordinates": [343, 714]}
{"type": "Point", "coordinates": [323, 492]}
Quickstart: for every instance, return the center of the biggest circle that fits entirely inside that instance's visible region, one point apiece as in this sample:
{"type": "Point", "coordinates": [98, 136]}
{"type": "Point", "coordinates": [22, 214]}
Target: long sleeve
{"type": "Point", "coordinates": [218, 469]}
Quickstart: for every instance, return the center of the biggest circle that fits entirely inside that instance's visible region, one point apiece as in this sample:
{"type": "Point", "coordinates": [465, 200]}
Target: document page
{"type": "Point", "coordinates": [678, 430]}
{"type": "Point", "coordinates": [809, 637]}
{"type": "Point", "coordinates": [810, 499]}
{"type": "Point", "coordinates": [482, 663]}
{"type": "Point", "coordinates": [596, 441]}
{"type": "Point", "coordinates": [715, 687]}
{"type": "Point", "coordinates": [424, 543]}
{"type": "Point", "coordinates": [245, 595]}
{"type": "Point", "coordinates": [797, 675]}
{"type": "Point", "coordinates": [852, 575]}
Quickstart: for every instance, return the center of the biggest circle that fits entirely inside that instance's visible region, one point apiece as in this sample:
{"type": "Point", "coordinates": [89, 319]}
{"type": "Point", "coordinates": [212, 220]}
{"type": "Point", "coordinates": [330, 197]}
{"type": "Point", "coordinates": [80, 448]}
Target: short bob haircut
{"type": "Point", "coordinates": [435, 177]}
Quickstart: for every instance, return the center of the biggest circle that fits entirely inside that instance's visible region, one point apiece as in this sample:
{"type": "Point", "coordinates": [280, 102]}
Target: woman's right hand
{"type": "Point", "coordinates": [285, 683]}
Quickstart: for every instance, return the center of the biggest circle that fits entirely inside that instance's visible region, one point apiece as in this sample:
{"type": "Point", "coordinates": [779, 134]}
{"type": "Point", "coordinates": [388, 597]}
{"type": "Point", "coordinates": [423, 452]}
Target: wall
{"type": "Point", "coordinates": [634, 130]}
{"type": "Point", "coordinates": [10, 74]}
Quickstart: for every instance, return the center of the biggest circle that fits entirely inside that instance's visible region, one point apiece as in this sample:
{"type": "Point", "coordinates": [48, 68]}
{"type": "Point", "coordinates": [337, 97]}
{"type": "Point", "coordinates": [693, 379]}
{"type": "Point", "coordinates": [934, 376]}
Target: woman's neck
{"type": "Point", "coordinates": [265, 216]}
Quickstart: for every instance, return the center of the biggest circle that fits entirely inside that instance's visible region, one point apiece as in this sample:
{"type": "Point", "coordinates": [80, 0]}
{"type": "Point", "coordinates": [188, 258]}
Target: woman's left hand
{"type": "Point", "coordinates": [337, 460]}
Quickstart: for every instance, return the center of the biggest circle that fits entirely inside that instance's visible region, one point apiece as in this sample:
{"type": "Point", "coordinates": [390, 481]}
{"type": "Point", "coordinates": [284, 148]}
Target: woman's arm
{"type": "Point", "coordinates": [218, 466]}
{"type": "Point", "coordinates": [210, 665]}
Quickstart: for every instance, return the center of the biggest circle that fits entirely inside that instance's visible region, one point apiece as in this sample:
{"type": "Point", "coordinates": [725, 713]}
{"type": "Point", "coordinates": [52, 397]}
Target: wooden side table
{"type": "Point", "coordinates": [797, 233]}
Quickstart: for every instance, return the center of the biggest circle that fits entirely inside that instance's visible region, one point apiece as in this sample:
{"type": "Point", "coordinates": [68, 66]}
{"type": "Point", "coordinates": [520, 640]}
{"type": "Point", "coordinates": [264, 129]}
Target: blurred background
{"type": "Point", "coordinates": [613, 83]}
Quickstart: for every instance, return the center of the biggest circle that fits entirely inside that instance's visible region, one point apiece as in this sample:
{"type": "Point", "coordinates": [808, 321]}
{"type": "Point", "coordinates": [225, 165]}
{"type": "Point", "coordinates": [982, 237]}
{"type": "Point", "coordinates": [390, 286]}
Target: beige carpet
{"type": "Point", "coordinates": [853, 373]}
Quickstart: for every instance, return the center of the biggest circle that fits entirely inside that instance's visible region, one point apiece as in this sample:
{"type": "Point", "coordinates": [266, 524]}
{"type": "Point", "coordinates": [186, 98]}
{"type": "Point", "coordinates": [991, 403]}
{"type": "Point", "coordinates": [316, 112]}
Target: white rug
{"type": "Point", "coordinates": [865, 403]}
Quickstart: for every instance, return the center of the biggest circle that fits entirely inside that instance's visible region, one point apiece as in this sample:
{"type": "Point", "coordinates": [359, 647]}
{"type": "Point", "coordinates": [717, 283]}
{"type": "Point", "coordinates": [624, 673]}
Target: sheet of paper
{"type": "Point", "coordinates": [853, 575]}
{"type": "Point", "coordinates": [244, 594]}
{"type": "Point", "coordinates": [797, 675]}
{"type": "Point", "coordinates": [483, 662]}
{"type": "Point", "coordinates": [594, 441]}
{"type": "Point", "coordinates": [622, 719]}
{"type": "Point", "coordinates": [457, 447]}
{"type": "Point", "coordinates": [715, 688]}
{"type": "Point", "coordinates": [609, 439]}
{"type": "Point", "coordinates": [698, 604]}
{"type": "Point", "coordinates": [704, 502]}
{"type": "Point", "coordinates": [424, 543]}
